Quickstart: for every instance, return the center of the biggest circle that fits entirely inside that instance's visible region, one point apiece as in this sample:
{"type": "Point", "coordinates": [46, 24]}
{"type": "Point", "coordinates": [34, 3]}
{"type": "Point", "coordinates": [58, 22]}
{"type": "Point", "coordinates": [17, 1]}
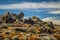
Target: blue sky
{"type": "Point", "coordinates": [19, 1]}
{"type": "Point", "coordinates": [47, 10]}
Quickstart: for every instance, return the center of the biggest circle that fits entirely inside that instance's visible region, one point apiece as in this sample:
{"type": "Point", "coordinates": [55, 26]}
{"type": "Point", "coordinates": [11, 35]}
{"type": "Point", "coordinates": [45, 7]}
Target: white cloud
{"type": "Point", "coordinates": [34, 10]}
{"type": "Point", "coordinates": [55, 12]}
{"type": "Point", "coordinates": [55, 20]}
{"type": "Point", "coordinates": [31, 5]}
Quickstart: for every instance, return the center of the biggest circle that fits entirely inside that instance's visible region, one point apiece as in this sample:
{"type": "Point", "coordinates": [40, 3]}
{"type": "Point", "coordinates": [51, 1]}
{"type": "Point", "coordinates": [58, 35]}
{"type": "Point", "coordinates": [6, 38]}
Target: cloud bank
{"type": "Point", "coordinates": [55, 20]}
{"type": "Point", "coordinates": [55, 12]}
{"type": "Point", "coordinates": [28, 5]}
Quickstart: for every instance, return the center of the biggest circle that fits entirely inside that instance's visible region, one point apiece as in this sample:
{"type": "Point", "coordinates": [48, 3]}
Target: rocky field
{"type": "Point", "coordinates": [16, 27]}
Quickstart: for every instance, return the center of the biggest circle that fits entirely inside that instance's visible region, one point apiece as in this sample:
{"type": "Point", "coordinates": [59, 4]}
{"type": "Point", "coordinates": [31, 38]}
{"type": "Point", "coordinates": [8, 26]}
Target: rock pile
{"type": "Point", "coordinates": [16, 27]}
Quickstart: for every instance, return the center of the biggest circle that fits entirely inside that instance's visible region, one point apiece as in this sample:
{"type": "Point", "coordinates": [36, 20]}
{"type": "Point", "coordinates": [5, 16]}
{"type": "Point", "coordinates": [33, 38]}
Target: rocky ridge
{"type": "Point", "coordinates": [20, 28]}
